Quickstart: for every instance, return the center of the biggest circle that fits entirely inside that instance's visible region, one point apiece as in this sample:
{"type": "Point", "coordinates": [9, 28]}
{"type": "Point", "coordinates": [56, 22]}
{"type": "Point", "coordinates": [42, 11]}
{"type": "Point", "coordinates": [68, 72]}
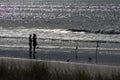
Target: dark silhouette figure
{"type": "Point", "coordinates": [30, 46]}
{"type": "Point", "coordinates": [90, 59]}
{"type": "Point", "coordinates": [34, 45]}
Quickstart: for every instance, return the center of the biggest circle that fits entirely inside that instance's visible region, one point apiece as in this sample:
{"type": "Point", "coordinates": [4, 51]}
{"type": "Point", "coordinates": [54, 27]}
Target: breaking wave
{"type": "Point", "coordinates": [109, 31]}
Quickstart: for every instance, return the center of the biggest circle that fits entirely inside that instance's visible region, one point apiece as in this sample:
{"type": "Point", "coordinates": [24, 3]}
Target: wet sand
{"type": "Point", "coordinates": [104, 56]}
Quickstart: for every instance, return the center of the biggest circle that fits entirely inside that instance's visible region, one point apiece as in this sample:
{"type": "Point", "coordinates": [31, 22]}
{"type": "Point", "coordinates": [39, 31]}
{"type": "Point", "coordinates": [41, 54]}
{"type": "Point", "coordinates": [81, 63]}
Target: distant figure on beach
{"type": "Point", "coordinates": [90, 59]}
{"type": "Point", "coordinates": [30, 46]}
{"type": "Point", "coordinates": [34, 45]}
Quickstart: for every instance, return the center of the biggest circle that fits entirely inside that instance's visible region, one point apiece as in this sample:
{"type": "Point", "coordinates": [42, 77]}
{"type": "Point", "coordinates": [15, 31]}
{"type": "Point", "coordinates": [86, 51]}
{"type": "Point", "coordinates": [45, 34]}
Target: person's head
{"type": "Point", "coordinates": [30, 35]}
{"type": "Point", "coordinates": [34, 35]}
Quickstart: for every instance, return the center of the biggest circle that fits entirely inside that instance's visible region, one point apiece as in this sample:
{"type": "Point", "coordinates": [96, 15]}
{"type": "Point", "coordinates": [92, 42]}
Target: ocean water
{"type": "Point", "coordinates": [51, 19]}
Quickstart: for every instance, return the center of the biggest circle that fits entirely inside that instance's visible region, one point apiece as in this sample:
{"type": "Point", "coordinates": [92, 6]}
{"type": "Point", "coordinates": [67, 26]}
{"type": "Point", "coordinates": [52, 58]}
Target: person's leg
{"type": "Point", "coordinates": [30, 52]}
{"type": "Point", "coordinates": [34, 52]}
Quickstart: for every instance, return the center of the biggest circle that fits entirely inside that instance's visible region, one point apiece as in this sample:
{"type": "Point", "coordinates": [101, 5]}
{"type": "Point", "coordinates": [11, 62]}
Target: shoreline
{"type": "Point", "coordinates": [64, 55]}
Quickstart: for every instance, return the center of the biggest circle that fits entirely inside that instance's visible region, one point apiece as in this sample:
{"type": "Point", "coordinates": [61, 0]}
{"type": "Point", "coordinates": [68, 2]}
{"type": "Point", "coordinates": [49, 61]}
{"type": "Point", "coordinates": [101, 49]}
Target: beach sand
{"type": "Point", "coordinates": [61, 66]}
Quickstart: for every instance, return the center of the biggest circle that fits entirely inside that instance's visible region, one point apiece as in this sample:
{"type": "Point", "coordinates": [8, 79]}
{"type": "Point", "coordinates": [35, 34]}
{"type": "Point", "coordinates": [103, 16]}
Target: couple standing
{"type": "Point", "coordinates": [32, 44]}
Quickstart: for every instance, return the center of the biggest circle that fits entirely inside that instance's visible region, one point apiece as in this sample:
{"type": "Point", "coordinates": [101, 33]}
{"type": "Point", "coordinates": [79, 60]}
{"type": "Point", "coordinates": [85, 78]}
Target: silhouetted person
{"type": "Point", "coordinates": [34, 44]}
{"type": "Point", "coordinates": [30, 46]}
{"type": "Point", "coordinates": [90, 59]}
